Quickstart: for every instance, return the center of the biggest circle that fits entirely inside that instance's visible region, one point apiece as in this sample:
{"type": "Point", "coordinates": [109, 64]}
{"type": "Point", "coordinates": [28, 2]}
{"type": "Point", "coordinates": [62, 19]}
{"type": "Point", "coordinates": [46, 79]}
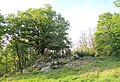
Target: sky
{"type": "Point", "coordinates": [81, 14]}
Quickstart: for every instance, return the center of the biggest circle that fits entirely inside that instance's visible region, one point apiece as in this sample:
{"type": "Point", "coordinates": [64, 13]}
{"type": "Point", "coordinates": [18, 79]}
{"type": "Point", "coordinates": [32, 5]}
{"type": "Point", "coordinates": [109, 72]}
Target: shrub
{"type": "Point", "coordinates": [85, 53]}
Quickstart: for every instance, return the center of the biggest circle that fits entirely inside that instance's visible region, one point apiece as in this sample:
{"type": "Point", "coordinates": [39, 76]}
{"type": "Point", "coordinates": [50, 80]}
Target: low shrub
{"type": "Point", "coordinates": [85, 53]}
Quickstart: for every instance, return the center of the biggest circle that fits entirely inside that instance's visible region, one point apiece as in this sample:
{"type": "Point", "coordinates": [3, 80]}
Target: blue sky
{"type": "Point", "coordinates": [82, 14]}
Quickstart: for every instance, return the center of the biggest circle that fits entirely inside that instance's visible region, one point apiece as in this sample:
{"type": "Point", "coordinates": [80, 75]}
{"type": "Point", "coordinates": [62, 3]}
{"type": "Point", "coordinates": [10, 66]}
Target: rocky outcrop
{"type": "Point", "coordinates": [38, 64]}
{"type": "Point", "coordinates": [46, 69]}
{"type": "Point", "coordinates": [69, 65]}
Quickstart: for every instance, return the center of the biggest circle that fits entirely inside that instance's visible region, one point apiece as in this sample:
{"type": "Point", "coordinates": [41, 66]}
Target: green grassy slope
{"type": "Point", "coordinates": [102, 69]}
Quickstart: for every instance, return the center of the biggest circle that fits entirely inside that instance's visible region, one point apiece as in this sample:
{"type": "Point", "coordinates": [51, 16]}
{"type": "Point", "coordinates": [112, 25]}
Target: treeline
{"type": "Point", "coordinates": [107, 36]}
{"type": "Point", "coordinates": [106, 39]}
{"type": "Point", "coordinates": [30, 35]}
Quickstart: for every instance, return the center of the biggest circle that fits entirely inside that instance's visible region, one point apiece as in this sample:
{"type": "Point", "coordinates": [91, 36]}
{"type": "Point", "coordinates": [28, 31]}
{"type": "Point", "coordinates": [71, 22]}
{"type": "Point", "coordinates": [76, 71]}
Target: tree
{"type": "Point", "coordinates": [30, 33]}
{"type": "Point", "coordinates": [87, 43]}
{"type": "Point", "coordinates": [102, 35]}
{"type": "Point", "coordinates": [1, 30]}
{"type": "Point", "coordinates": [43, 28]}
{"type": "Point", "coordinates": [117, 3]}
{"type": "Point", "coordinates": [107, 35]}
{"type": "Point", "coordinates": [115, 36]}
{"type": "Point", "coordinates": [83, 42]}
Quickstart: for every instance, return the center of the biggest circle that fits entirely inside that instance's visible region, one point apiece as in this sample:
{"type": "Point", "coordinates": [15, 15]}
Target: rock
{"type": "Point", "coordinates": [49, 63]}
{"type": "Point", "coordinates": [69, 65]}
{"type": "Point", "coordinates": [49, 60]}
{"type": "Point", "coordinates": [76, 56]}
{"type": "Point", "coordinates": [46, 69]}
{"type": "Point", "coordinates": [55, 62]}
{"type": "Point", "coordinates": [38, 64]}
{"type": "Point", "coordinates": [60, 60]}
{"type": "Point", "coordinates": [56, 66]}
{"type": "Point", "coordinates": [68, 59]}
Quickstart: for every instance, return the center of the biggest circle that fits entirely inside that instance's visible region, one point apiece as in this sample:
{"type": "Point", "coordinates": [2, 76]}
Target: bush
{"type": "Point", "coordinates": [80, 53]}
{"type": "Point", "coordinates": [84, 53]}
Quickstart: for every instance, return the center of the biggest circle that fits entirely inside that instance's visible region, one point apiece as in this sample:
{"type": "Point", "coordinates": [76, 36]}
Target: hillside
{"type": "Point", "coordinates": [86, 69]}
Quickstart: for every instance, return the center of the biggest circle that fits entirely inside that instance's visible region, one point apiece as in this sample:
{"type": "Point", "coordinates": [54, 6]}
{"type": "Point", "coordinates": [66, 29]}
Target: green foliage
{"type": "Point", "coordinates": [117, 3]}
{"type": "Point", "coordinates": [29, 35]}
{"type": "Point", "coordinates": [102, 35]}
{"type": "Point", "coordinates": [115, 36]}
{"type": "Point", "coordinates": [40, 28]}
{"type": "Point", "coordinates": [107, 35]}
{"type": "Point", "coordinates": [1, 30]}
{"type": "Point", "coordinates": [85, 53]}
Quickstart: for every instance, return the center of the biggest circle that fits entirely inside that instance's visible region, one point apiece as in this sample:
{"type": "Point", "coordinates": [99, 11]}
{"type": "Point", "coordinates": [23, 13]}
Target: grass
{"type": "Point", "coordinates": [102, 69]}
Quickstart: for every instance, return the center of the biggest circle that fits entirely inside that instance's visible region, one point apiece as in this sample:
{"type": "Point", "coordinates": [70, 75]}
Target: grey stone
{"type": "Point", "coordinates": [38, 64]}
{"type": "Point", "coordinates": [76, 56]}
{"type": "Point", "coordinates": [69, 65]}
{"type": "Point", "coordinates": [56, 66]}
{"type": "Point", "coordinates": [46, 69]}
{"type": "Point", "coordinates": [68, 59]}
{"type": "Point", "coordinates": [49, 63]}
{"type": "Point", "coordinates": [55, 62]}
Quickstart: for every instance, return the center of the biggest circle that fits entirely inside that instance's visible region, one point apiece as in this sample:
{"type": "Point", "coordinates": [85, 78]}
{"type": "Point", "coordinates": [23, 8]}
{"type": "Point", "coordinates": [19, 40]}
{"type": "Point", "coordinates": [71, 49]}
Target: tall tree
{"type": "Point", "coordinates": [29, 33]}
{"type": "Point", "coordinates": [115, 36]}
{"type": "Point", "coordinates": [102, 35]}
{"type": "Point", "coordinates": [43, 28]}
{"type": "Point", "coordinates": [107, 35]}
{"type": "Point", "coordinates": [1, 30]}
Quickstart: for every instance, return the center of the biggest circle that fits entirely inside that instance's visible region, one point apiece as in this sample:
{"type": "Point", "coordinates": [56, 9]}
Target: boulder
{"type": "Point", "coordinates": [76, 56]}
{"type": "Point", "coordinates": [55, 66]}
{"type": "Point", "coordinates": [68, 59]}
{"type": "Point", "coordinates": [49, 63]}
{"type": "Point", "coordinates": [46, 69]}
{"type": "Point", "coordinates": [38, 64]}
{"type": "Point", "coordinates": [48, 60]}
{"type": "Point", "coordinates": [55, 62]}
{"type": "Point", "coordinates": [69, 65]}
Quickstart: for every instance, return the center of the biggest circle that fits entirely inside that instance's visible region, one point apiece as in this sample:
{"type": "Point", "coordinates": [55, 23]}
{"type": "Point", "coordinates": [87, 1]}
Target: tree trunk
{"type": "Point", "coordinates": [19, 58]}
{"type": "Point", "coordinates": [6, 64]}
{"type": "Point", "coordinates": [42, 51]}
{"type": "Point", "coordinates": [15, 66]}
{"type": "Point", "coordinates": [23, 60]}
